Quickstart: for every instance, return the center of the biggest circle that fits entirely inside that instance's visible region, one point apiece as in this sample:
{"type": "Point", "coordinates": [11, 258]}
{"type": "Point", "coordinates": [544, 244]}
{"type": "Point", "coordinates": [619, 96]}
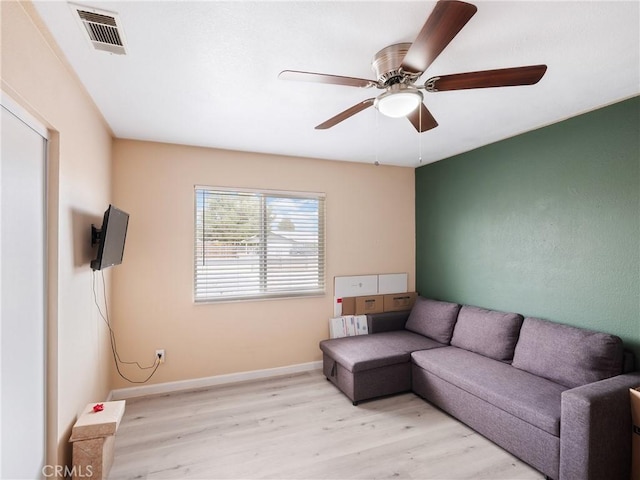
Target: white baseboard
{"type": "Point", "coordinates": [180, 385]}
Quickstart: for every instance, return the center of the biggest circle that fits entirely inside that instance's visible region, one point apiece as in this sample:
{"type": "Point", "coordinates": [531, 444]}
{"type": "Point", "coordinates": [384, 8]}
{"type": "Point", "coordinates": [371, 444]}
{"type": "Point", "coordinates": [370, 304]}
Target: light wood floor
{"type": "Point", "coordinates": [300, 427]}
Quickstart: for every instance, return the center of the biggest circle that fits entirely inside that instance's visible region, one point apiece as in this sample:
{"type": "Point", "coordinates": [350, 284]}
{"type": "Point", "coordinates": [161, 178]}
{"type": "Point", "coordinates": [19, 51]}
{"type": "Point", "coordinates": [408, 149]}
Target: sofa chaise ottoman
{"type": "Point", "coordinates": [378, 364]}
{"type": "Point", "coordinates": [553, 395]}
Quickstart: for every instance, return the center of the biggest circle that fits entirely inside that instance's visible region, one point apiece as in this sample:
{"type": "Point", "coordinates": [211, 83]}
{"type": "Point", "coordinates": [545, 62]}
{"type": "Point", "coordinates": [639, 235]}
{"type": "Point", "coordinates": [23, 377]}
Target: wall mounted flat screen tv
{"type": "Point", "coordinates": [110, 238]}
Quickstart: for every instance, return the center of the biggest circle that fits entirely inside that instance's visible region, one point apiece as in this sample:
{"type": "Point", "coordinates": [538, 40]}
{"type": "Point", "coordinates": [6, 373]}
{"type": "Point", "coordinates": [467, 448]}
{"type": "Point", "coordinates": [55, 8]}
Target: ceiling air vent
{"type": "Point", "coordinates": [103, 29]}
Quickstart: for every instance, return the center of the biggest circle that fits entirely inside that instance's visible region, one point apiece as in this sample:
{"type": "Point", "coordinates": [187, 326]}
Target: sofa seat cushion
{"type": "Point", "coordinates": [568, 355]}
{"type": "Point", "coordinates": [487, 332]}
{"type": "Point", "coordinates": [364, 352]}
{"type": "Point", "coordinates": [433, 319]}
{"type": "Point", "coordinates": [528, 397]}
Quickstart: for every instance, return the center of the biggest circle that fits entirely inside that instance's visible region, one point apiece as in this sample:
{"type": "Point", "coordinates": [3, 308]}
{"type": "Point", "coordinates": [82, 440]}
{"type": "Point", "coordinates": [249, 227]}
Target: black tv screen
{"type": "Point", "coordinates": [110, 238]}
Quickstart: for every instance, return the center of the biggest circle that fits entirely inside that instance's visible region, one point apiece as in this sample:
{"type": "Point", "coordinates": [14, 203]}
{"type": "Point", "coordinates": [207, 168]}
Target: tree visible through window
{"type": "Point", "coordinates": [257, 244]}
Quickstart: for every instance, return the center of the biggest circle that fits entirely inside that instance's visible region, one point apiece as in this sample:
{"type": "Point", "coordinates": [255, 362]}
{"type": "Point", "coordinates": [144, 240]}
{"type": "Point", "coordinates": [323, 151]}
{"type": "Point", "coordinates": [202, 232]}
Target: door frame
{"type": "Point", "coordinates": [15, 108]}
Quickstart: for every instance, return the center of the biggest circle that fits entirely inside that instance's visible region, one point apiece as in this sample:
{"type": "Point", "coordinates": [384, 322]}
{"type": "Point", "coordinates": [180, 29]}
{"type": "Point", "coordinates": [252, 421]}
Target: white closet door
{"type": "Point", "coordinates": [22, 299]}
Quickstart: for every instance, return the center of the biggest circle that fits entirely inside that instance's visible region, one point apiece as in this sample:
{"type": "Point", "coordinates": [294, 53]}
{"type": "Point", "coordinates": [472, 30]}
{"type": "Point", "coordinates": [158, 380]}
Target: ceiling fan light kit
{"type": "Point", "coordinates": [398, 67]}
{"type": "Point", "coordinates": [398, 101]}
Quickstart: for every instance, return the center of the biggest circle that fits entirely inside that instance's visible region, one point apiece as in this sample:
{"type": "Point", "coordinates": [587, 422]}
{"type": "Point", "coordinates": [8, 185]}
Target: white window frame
{"type": "Point", "coordinates": [264, 290]}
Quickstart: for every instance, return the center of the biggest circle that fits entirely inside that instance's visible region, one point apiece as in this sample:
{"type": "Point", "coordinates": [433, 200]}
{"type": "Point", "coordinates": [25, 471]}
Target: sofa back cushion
{"type": "Point", "coordinates": [487, 332]}
{"type": "Point", "coordinates": [433, 319]}
{"type": "Point", "coordinates": [567, 355]}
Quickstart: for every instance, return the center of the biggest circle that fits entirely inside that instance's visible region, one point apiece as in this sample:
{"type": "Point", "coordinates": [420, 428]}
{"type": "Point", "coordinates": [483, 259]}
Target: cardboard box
{"type": "Point", "coordinates": [348, 306]}
{"type": "Point", "coordinates": [355, 286]}
{"type": "Point", "coordinates": [635, 432]}
{"type": "Point", "coordinates": [363, 305]}
{"type": "Point", "coordinates": [369, 304]}
{"type": "Point", "coordinates": [397, 302]}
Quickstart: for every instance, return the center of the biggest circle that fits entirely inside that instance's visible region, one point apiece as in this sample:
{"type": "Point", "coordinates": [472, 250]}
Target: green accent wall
{"type": "Point", "coordinates": [546, 224]}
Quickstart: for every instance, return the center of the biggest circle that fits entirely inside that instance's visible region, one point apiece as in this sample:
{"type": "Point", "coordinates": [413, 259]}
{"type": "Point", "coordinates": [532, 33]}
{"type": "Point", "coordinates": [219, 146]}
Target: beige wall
{"type": "Point", "coordinates": [370, 229]}
{"type": "Point", "coordinates": [36, 76]}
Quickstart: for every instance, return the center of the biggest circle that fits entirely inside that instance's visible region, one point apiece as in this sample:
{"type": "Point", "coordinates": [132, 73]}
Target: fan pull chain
{"type": "Point", "coordinates": [377, 139]}
{"type": "Point", "coordinates": [420, 135]}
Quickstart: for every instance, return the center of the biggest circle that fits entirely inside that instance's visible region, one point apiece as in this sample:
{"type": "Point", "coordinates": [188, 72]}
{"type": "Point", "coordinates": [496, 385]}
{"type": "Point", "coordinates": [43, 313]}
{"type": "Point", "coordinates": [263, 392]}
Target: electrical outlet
{"type": "Point", "coordinates": [160, 355]}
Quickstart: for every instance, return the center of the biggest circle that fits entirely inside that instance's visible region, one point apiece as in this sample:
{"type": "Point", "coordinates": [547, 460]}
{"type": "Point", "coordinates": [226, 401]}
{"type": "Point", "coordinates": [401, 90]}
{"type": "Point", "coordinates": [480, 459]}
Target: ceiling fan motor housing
{"type": "Point", "coordinates": [386, 64]}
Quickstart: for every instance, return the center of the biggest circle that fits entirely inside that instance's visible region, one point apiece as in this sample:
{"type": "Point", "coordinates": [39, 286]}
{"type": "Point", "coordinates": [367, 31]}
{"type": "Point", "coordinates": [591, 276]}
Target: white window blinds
{"type": "Point", "coordinates": [258, 244]}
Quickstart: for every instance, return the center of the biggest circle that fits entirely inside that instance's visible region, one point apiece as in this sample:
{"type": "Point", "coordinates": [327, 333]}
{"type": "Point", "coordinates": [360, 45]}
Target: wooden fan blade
{"type": "Point", "coordinates": [504, 77]}
{"type": "Point", "coordinates": [444, 23]}
{"type": "Point", "coordinates": [422, 119]}
{"type": "Point", "coordinates": [324, 78]}
{"type": "Point", "coordinates": [346, 114]}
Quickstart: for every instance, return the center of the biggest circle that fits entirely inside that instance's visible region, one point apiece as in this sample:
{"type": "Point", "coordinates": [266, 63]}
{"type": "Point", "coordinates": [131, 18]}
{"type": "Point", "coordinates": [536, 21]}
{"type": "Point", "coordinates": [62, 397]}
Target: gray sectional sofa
{"type": "Point", "coordinates": [553, 395]}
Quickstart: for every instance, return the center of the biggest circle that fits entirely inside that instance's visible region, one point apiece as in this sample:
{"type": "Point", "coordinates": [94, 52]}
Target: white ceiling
{"type": "Point", "coordinates": [205, 73]}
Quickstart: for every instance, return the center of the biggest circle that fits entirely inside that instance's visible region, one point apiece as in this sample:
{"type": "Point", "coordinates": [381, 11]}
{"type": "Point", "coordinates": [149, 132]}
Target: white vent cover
{"type": "Point", "coordinates": [103, 29]}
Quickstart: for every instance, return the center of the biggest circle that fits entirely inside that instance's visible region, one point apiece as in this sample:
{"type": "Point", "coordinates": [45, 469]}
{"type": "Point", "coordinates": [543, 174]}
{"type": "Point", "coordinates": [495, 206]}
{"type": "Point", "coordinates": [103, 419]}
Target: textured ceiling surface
{"type": "Point", "coordinates": [206, 73]}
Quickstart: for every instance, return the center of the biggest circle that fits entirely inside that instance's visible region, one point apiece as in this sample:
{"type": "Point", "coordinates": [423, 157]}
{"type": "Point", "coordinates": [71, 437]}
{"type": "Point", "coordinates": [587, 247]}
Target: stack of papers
{"type": "Point", "coordinates": [348, 326]}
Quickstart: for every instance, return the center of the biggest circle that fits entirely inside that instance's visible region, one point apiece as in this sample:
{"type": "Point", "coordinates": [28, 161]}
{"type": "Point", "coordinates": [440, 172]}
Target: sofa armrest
{"type": "Point", "coordinates": [595, 429]}
{"type": "Point", "coordinates": [387, 322]}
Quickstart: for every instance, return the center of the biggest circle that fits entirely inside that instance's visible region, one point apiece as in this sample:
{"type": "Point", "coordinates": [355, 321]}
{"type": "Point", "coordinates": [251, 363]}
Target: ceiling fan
{"type": "Point", "coordinates": [398, 67]}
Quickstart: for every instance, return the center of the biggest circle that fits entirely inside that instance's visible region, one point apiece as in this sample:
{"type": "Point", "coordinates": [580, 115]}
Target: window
{"type": "Point", "coordinates": [258, 244]}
